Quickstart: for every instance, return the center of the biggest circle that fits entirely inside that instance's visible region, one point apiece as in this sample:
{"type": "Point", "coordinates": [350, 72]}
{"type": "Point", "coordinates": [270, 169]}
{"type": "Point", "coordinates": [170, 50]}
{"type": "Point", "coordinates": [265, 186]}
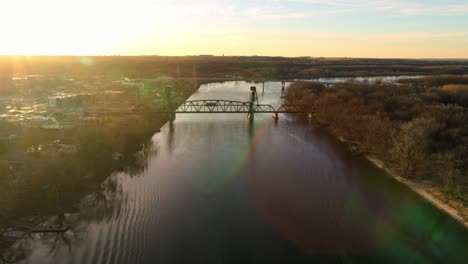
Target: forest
{"type": "Point", "coordinates": [252, 67]}
{"type": "Point", "coordinates": [418, 127]}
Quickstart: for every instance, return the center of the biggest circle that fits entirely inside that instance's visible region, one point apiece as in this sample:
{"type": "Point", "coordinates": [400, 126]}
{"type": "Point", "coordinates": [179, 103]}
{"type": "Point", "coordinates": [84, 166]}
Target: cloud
{"type": "Point", "coordinates": [405, 37]}
{"type": "Point", "coordinates": [396, 7]}
{"type": "Point", "coordinates": [267, 12]}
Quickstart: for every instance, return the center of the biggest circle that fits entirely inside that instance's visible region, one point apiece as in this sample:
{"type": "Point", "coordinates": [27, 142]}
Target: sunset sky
{"type": "Point", "coordinates": [336, 28]}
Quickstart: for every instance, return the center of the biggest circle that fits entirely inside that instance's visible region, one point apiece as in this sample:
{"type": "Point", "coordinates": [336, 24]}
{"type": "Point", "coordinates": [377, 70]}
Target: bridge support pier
{"type": "Point", "coordinates": [283, 85]}
{"type": "Point", "coordinates": [275, 116]}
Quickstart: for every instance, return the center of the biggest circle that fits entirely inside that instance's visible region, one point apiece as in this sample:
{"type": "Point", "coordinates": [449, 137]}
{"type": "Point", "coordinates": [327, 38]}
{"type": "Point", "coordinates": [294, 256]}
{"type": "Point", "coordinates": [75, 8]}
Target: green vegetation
{"type": "Point", "coordinates": [419, 127]}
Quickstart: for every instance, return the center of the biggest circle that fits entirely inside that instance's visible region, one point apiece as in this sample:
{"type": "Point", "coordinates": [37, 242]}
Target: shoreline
{"type": "Point", "coordinates": [414, 186]}
{"type": "Point", "coordinates": [423, 192]}
{"type": "Point", "coordinates": [29, 221]}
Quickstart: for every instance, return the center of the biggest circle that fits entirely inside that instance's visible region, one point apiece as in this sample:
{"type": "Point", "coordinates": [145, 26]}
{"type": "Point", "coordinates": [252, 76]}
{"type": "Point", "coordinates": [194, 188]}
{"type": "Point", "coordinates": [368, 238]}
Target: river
{"type": "Point", "coordinates": [384, 79]}
{"type": "Point", "coordinates": [219, 189]}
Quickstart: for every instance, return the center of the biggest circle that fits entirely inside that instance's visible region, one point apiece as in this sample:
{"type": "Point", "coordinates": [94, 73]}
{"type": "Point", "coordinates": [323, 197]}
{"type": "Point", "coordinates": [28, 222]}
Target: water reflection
{"type": "Point", "coordinates": [58, 181]}
{"type": "Point", "coordinates": [310, 202]}
{"type": "Point", "coordinates": [386, 79]}
{"type": "Point", "coordinates": [251, 131]}
{"type": "Point", "coordinates": [403, 226]}
{"type": "Point", "coordinates": [221, 189]}
{"type": "Point", "coordinates": [95, 207]}
{"type": "Point", "coordinates": [170, 135]}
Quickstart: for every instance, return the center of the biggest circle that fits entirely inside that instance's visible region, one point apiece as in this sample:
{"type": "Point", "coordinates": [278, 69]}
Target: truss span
{"type": "Point", "coordinates": [228, 106]}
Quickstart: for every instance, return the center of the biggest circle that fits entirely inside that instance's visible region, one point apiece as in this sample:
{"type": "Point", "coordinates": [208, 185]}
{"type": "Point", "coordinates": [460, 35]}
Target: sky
{"type": "Point", "coordinates": [317, 28]}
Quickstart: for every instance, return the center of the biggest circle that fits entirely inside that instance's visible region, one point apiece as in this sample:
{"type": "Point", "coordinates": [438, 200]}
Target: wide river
{"type": "Point", "coordinates": [219, 189]}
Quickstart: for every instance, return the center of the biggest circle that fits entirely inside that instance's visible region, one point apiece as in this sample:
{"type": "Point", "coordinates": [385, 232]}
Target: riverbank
{"type": "Point", "coordinates": [63, 166]}
{"type": "Point", "coordinates": [414, 128]}
{"type": "Point", "coordinates": [427, 190]}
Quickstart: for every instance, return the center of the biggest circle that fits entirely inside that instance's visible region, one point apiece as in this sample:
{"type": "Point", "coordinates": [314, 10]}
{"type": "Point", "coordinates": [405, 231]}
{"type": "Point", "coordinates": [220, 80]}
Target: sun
{"type": "Point", "coordinates": [45, 27]}
{"type": "Point", "coordinates": [55, 27]}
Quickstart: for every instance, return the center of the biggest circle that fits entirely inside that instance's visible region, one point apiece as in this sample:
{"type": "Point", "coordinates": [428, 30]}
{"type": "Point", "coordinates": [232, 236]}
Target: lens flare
{"type": "Point", "coordinates": [87, 61]}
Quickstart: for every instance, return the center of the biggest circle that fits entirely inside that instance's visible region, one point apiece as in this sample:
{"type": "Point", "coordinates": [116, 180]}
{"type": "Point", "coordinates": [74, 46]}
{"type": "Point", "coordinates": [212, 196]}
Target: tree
{"type": "Point", "coordinates": [409, 149]}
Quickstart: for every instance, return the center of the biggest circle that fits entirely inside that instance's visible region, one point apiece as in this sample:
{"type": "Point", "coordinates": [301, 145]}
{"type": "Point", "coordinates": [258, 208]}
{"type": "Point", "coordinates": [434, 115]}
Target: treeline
{"type": "Point", "coordinates": [58, 168]}
{"type": "Point", "coordinates": [269, 68]}
{"type": "Point", "coordinates": [381, 70]}
{"type": "Point", "coordinates": [46, 172]}
{"type": "Point", "coordinates": [417, 126]}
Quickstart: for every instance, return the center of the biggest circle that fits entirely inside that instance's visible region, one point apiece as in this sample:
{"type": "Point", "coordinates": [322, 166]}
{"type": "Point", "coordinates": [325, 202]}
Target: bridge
{"type": "Point", "coordinates": [227, 106]}
{"type": "Point", "coordinates": [210, 106]}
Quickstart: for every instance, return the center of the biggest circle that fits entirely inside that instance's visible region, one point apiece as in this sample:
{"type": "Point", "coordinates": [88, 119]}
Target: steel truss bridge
{"type": "Point", "coordinates": [227, 106]}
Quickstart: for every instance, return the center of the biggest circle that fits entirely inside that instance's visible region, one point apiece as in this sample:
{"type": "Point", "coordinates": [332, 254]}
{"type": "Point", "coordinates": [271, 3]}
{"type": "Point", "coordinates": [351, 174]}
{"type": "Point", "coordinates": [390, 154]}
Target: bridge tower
{"type": "Point", "coordinates": [253, 97]}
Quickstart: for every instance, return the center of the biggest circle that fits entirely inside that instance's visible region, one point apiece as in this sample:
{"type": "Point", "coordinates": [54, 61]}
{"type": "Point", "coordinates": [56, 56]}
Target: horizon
{"type": "Point", "coordinates": [413, 29]}
{"type": "Point", "coordinates": [224, 55]}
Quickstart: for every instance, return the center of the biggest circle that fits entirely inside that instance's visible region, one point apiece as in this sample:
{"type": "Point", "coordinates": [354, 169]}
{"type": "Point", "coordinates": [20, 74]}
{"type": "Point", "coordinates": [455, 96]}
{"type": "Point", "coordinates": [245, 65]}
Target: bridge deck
{"type": "Point", "coordinates": [238, 112]}
{"type": "Point", "coordinates": [228, 106]}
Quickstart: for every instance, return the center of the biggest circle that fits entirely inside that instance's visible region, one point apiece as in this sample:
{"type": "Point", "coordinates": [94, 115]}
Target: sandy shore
{"type": "Point", "coordinates": [458, 213]}
{"type": "Point", "coordinates": [437, 198]}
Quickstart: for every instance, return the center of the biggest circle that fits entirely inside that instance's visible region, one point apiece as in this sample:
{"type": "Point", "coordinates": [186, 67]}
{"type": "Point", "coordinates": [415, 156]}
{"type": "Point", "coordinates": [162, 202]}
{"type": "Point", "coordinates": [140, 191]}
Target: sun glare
{"type": "Point", "coordinates": [53, 27]}
{"type": "Point", "coordinates": [162, 27]}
